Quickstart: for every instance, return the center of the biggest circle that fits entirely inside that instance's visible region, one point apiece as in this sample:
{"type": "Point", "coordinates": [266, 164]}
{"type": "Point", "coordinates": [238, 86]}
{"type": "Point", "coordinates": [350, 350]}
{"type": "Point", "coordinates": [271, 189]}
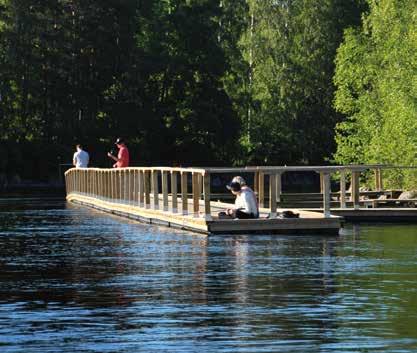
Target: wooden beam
{"type": "Point", "coordinates": [326, 195]}
{"type": "Point", "coordinates": [141, 188]}
{"type": "Point", "coordinates": [261, 191]}
{"type": "Point", "coordinates": [174, 196]}
{"type": "Point", "coordinates": [147, 189]}
{"type": "Point", "coordinates": [155, 189]}
{"type": "Point", "coordinates": [256, 183]}
{"type": "Point", "coordinates": [165, 190]}
{"type": "Point", "coordinates": [196, 195]}
{"type": "Point", "coordinates": [272, 196]}
{"type": "Point", "coordinates": [343, 189]}
{"type": "Point", "coordinates": [184, 193]}
{"type": "Point", "coordinates": [355, 189]}
{"type": "Point", "coordinates": [207, 192]}
{"type": "Point", "coordinates": [279, 186]}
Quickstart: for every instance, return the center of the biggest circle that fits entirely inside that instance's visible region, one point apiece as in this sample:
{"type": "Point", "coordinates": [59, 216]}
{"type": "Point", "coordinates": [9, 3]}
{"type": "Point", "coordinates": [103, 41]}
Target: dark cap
{"type": "Point", "coordinates": [119, 141]}
{"type": "Point", "coordinates": [233, 187]}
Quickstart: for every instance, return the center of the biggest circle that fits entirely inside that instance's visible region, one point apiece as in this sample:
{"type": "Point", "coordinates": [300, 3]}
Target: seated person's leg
{"type": "Point", "coordinates": [243, 215]}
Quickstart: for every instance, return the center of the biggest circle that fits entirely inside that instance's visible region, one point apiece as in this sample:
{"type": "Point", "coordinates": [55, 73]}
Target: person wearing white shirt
{"type": "Point", "coordinates": [246, 206]}
{"type": "Point", "coordinates": [81, 158]}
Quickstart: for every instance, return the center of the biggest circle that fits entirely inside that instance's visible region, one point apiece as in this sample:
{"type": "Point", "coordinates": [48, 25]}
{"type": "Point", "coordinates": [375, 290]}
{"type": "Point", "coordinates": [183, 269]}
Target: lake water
{"type": "Point", "coordinates": [76, 280]}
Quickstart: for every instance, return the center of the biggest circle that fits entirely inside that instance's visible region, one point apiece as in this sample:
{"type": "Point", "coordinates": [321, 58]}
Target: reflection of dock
{"type": "Point", "coordinates": [161, 196]}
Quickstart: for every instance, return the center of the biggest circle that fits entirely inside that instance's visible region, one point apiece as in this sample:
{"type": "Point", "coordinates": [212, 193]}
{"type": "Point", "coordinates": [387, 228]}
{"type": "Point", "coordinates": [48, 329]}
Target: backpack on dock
{"type": "Point", "coordinates": [288, 214]}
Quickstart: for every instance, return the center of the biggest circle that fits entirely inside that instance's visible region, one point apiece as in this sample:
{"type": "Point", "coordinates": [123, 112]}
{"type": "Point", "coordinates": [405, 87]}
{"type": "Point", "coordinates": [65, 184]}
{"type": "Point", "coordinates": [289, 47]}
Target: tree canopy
{"type": "Point", "coordinates": [377, 90]}
{"type": "Point", "coordinates": [203, 82]}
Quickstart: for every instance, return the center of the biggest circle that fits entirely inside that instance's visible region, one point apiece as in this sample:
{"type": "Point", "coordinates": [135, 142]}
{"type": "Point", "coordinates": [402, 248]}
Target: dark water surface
{"type": "Point", "coordinates": [77, 280]}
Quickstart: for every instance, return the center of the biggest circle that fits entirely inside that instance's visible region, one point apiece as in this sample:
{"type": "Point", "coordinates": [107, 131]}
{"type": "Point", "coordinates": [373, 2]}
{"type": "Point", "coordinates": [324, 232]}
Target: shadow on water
{"type": "Point", "coordinates": [74, 279]}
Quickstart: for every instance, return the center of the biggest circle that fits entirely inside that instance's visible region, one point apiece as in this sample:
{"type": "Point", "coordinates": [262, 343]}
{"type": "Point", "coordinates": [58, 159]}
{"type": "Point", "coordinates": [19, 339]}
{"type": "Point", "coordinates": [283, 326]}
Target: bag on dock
{"type": "Point", "coordinates": [288, 214]}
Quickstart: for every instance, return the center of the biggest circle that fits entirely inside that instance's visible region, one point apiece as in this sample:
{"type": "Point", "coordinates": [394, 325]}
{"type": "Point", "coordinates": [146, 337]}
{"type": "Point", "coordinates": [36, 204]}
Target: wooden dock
{"type": "Point", "coordinates": [182, 198]}
{"type": "Point", "coordinates": [161, 196]}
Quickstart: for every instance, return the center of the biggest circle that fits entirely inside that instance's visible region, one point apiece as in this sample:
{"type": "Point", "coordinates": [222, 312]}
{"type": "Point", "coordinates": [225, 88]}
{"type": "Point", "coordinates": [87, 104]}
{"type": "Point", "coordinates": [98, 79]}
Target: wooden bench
{"type": "Point", "coordinates": [391, 203]}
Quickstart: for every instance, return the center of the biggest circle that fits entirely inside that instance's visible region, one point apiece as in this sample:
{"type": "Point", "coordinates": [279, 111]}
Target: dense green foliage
{"type": "Point", "coordinates": [376, 81]}
{"type": "Point", "coordinates": [197, 82]}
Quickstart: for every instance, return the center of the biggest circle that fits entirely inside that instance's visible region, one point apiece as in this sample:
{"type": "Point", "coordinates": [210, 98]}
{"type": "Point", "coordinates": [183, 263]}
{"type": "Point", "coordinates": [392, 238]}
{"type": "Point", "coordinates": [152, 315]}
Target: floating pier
{"type": "Point", "coordinates": [161, 195]}
{"type": "Point", "coordinates": [182, 198]}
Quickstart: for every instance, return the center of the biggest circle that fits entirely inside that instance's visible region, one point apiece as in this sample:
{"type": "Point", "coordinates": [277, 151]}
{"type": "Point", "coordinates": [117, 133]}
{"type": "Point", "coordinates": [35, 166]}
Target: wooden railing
{"type": "Point", "coordinates": [146, 188]}
{"type": "Point", "coordinates": [275, 176]}
{"type": "Point", "coordinates": [166, 189]}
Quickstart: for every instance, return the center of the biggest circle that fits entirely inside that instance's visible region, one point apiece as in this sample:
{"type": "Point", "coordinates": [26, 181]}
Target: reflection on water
{"type": "Point", "coordinates": [73, 279]}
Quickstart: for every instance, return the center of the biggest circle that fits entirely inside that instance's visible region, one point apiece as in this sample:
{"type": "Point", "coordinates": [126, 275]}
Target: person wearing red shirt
{"type": "Point", "coordinates": [122, 159]}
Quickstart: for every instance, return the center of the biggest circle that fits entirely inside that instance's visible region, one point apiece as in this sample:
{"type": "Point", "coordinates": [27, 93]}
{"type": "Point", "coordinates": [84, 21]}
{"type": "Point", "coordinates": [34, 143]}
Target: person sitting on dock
{"type": "Point", "coordinates": [80, 158]}
{"type": "Point", "coordinates": [122, 159]}
{"type": "Point", "coordinates": [245, 204]}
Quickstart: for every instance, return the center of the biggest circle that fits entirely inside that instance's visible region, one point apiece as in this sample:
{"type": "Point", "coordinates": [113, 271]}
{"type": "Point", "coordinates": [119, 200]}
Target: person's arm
{"type": "Point", "coordinates": [74, 161]}
{"type": "Point", "coordinates": [112, 157]}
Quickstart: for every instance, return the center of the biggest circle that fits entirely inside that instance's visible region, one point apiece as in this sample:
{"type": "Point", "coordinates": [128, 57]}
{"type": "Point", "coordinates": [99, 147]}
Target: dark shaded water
{"type": "Point", "coordinates": [76, 280]}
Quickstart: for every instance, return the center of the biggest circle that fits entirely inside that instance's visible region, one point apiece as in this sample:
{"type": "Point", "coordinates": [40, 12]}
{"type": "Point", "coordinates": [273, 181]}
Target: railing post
{"type": "Point", "coordinates": [114, 185]}
{"type": "Point", "coordinates": [256, 183]}
{"type": "Point", "coordinates": [141, 188]}
{"type": "Point", "coordinates": [322, 183]}
{"type": "Point", "coordinates": [378, 180]}
{"type": "Point", "coordinates": [174, 196]}
{"type": "Point", "coordinates": [147, 190]}
{"type": "Point", "coordinates": [108, 185]}
{"type": "Point", "coordinates": [126, 193]}
{"type": "Point", "coordinates": [135, 199]}
{"type": "Point", "coordinates": [111, 185]}
{"type": "Point", "coordinates": [326, 194]}
{"type": "Point", "coordinates": [165, 190]}
{"type": "Point", "coordinates": [381, 182]}
{"type": "Point", "coordinates": [342, 188]}
{"type": "Point", "coordinates": [200, 184]}
{"type": "Point", "coordinates": [261, 191]}
{"type": "Point", "coordinates": [184, 193]}
{"type": "Point", "coordinates": [355, 189]}
{"type": "Point", "coordinates": [196, 194]}
{"type": "Point", "coordinates": [119, 184]}
{"type": "Point", "coordinates": [272, 196]}
{"type": "Point", "coordinates": [207, 192]}
{"type": "Point", "coordinates": [279, 185]}
{"type": "Point", "coordinates": [155, 189]}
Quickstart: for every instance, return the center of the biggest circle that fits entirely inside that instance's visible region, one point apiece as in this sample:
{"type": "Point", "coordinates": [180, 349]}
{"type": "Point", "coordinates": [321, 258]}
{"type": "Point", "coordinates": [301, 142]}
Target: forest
{"type": "Point", "coordinates": [208, 82]}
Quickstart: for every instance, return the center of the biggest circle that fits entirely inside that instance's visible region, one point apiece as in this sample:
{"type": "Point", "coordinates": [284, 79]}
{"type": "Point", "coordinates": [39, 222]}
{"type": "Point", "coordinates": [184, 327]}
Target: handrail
{"type": "Point", "coordinates": [143, 187]}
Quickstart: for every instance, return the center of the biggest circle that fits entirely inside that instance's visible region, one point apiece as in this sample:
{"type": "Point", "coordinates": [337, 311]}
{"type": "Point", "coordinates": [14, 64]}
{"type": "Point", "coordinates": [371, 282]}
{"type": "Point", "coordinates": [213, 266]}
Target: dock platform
{"type": "Point", "coordinates": [307, 223]}
{"type": "Point", "coordinates": [160, 195]}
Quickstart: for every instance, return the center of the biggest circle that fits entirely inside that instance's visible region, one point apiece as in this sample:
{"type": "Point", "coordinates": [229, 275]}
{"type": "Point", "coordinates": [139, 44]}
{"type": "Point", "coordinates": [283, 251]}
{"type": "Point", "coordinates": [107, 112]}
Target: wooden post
{"type": "Point", "coordinates": [165, 190]}
{"type": "Point", "coordinates": [355, 189]}
{"type": "Point", "coordinates": [206, 192]}
{"type": "Point", "coordinates": [120, 185]}
{"type": "Point", "coordinates": [343, 189]}
{"type": "Point", "coordinates": [127, 185]}
{"type": "Point", "coordinates": [155, 189]}
{"type": "Point", "coordinates": [201, 185]}
{"type": "Point", "coordinates": [378, 180]}
{"type": "Point", "coordinates": [272, 196]}
{"type": "Point", "coordinates": [326, 194]}
{"type": "Point", "coordinates": [141, 188]}
{"type": "Point", "coordinates": [321, 182]}
{"type": "Point", "coordinates": [261, 191]}
{"type": "Point", "coordinates": [381, 183]}
{"type": "Point", "coordinates": [174, 196]}
{"type": "Point", "coordinates": [256, 183]}
{"type": "Point", "coordinates": [196, 194]}
{"type": "Point", "coordinates": [279, 185]}
{"type": "Point", "coordinates": [184, 193]}
{"type": "Point", "coordinates": [108, 185]}
{"type": "Point", "coordinates": [147, 189]}
{"type": "Point", "coordinates": [134, 187]}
